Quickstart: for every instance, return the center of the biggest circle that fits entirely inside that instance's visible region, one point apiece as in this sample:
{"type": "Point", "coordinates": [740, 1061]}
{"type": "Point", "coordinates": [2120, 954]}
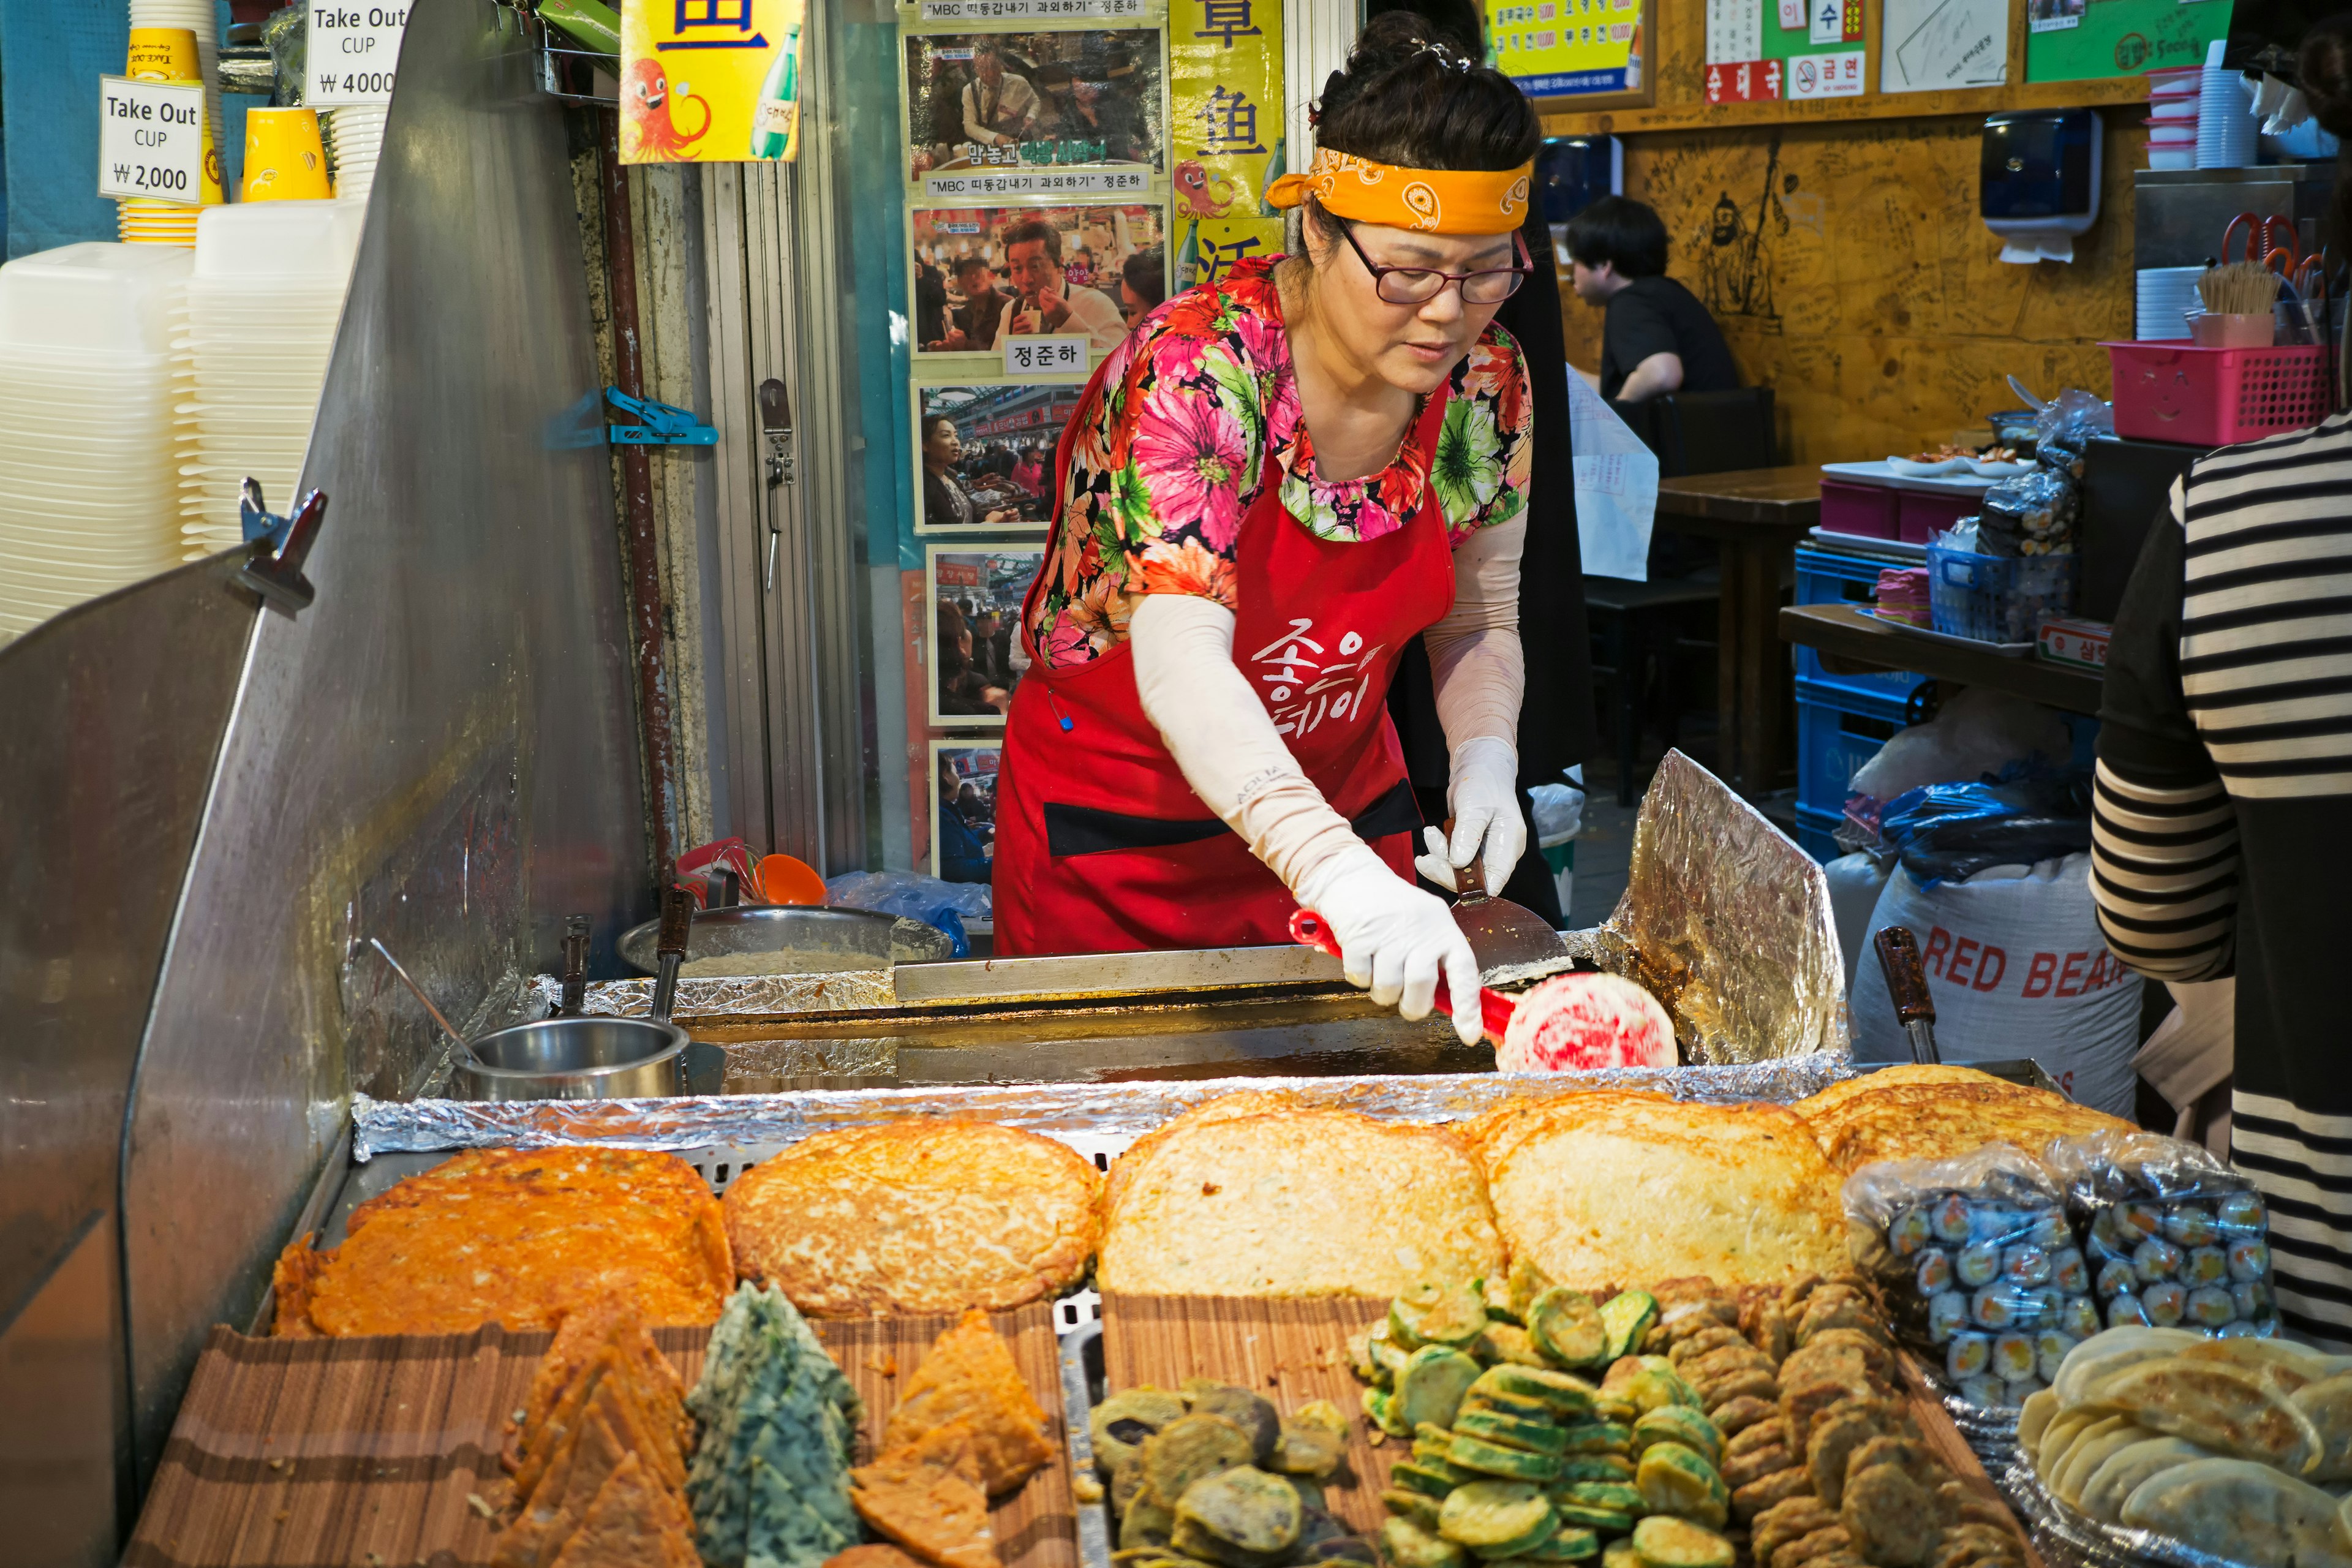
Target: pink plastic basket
{"type": "Point", "coordinates": [2215, 397]}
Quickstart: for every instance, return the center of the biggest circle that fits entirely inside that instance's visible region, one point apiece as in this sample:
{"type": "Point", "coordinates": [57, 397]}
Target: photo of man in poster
{"type": "Point", "coordinates": [999, 100]}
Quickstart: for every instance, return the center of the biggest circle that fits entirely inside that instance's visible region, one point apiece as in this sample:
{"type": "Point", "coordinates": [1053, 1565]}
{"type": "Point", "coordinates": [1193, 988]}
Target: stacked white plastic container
{"type": "Point", "coordinates": [2166, 295]}
{"type": "Point", "coordinates": [355, 138]}
{"type": "Point", "coordinates": [259, 324]}
{"type": "Point", "coordinates": [86, 425]}
{"type": "Point", "coordinates": [2225, 117]}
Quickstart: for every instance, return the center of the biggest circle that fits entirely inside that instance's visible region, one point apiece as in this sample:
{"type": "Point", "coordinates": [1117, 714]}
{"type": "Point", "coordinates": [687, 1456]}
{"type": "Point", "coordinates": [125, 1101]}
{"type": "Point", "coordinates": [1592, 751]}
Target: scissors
{"type": "Point", "coordinates": [2260, 234]}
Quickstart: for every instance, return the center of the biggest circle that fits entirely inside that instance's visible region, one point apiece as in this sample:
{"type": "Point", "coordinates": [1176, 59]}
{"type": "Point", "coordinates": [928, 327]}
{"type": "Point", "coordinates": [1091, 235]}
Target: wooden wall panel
{"type": "Point", "coordinates": [1849, 271]}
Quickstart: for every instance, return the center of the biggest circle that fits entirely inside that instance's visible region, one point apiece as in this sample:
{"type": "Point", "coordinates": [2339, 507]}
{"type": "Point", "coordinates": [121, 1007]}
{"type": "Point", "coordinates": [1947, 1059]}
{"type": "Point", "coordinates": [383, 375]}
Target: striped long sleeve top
{"type": "Point", "coordinates": [2222, 833]}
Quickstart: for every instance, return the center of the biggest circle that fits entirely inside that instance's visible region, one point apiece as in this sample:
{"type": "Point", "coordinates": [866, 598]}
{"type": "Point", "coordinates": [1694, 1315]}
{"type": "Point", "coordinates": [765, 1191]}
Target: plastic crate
{"type": "Point", "coordinates": [1831, 742]}
{"type": "Point", "coordinates": [2215, 397]}
{"type": "Point", "coordinates": [1919, 516]}
{"type": "Point", "coordinates": [1833, 577]}
{"type": "Point", "coordinates": [1815, 830]}
{"type": "Point", "coordinates": [1868, 511]}
{"type": "Point", "coordinates": [1998, 598]}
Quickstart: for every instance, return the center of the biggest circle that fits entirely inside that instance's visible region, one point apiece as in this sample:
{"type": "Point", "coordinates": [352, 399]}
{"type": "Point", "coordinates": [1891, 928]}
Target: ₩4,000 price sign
{"type": "Point", "coordinates": [354, 50]}
{"type": "Point", "coordinates": [150, 140]}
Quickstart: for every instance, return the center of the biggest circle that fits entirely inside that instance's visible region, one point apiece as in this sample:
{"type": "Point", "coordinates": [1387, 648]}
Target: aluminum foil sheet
{"type": "Point", "coordinates": [1728, 922]}
{"type": "Point", "coordinates": [387, 1127]}
{"type": "Point", "coordinates": [842, 991]}
{"type": "Point", "coordinates": [2068, 1538]}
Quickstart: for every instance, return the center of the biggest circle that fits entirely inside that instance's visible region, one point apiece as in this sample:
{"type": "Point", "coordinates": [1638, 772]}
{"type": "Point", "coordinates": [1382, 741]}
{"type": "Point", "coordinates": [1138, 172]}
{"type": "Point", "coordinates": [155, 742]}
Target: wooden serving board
{"type": "Point", "coordinates": [371, 1452]}
{"type": "Point", "coordinates": [1294, 1351]}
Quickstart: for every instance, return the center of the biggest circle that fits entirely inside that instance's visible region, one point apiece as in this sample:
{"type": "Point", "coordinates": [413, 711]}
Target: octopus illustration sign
{"type": "Point", "coordinates": [710, 81]}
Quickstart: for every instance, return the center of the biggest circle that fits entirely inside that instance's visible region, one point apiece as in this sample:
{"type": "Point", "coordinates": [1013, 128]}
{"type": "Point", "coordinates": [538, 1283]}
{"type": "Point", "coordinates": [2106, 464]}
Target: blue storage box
{"type": "Point", "coordinates": [1832, 741]}
{"type": "Point", "coordinates": [1833, 577]}
{"type": "Point", "coordinates": [1998, 598]}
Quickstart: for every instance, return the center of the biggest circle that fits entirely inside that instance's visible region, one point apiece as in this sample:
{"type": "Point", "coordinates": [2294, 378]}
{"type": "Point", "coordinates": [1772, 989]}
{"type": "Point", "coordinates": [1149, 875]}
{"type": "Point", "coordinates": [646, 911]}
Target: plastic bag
{"type": "Point", "coordinates": [2066, 425]}
{"type": "Point", "coordinates": [1979, 1266]}
{"type": "Point", "coordinates": [1977, 732]}
{"type": "Point", "coordinates": [288, 36]}
{"type": "Point", "coordinates": [2033, 514]}
{"type": "Point", "coordinates": [2174, 1236]}
{"type": "Point", "coordinates": [1558, 812]}
{"type": "Point", "coordinates": [943, 905]}
{"type": "Point", "coordinates": [1951, 831]}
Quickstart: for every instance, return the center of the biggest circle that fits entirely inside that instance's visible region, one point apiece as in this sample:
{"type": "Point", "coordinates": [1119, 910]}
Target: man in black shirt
{"type": "Point", "coordinates": [1659, 339]}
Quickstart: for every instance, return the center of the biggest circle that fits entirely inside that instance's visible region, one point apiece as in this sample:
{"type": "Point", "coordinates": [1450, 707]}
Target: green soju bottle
{"type": "Point", "coordinates": [776, 117]}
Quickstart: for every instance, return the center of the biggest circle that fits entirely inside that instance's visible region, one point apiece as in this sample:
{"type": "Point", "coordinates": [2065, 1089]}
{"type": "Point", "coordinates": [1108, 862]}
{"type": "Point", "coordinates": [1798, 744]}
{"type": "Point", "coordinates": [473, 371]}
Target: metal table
{"type": "Point", "coordinates": [1757, 516]}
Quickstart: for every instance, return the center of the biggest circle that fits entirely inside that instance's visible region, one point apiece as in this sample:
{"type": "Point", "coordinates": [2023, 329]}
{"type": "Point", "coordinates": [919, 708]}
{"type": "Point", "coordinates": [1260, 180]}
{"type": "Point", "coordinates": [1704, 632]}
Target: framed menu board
{"type": "Point", "coordinates": [1577, 54]}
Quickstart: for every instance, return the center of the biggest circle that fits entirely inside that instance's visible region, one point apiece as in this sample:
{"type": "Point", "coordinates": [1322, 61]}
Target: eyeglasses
{"type": "Point", "coordinates": [1419, 285]}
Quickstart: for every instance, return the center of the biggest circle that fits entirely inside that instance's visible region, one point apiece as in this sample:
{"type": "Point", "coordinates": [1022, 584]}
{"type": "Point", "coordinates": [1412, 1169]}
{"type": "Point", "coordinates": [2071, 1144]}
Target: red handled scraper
{"type": "Point", "coordinates": [1308, 930]}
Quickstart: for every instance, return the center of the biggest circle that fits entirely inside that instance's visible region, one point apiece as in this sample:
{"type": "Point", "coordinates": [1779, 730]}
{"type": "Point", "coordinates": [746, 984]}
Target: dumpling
{"type": "Point", "coordinates": [2122, 1470]}
{"type": "Point", "coordinates": [2241, 1511]}
{"type": "Point", "coordinates": [2222, 1407]}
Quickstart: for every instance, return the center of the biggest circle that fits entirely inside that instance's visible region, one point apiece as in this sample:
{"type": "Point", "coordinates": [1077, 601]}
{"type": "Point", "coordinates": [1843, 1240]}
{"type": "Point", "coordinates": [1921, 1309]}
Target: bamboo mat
{"type": "Point", "coordinates": [1294, 1351]}
{"type": "Point", "coordinates": [383, 1452]}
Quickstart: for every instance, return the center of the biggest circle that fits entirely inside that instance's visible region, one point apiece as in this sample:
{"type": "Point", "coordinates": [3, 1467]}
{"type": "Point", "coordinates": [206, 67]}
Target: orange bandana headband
{"type": "Point", "coordinates": [1431, 201]}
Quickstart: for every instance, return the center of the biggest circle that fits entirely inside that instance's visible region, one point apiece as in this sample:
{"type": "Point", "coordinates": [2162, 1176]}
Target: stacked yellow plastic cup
{"type": "Point", "coordinates": [284, 161]}
{"type": "Point", "coordinates": [167, 54]}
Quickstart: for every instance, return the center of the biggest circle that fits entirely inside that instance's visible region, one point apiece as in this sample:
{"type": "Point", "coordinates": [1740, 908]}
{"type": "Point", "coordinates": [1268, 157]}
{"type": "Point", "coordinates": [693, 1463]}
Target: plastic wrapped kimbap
{"type": "Point", "coordinates": [2242, 1213]}
{"type": "Point", "coordinates": [2079, 1316]}
{"type": "Point", "coordinates": [2069, 1272]}
{"type": "Point", "coordinates": [2126, 1311]}
{"type": "Point", "coordinates": [1949, 1217]}
{"type": "Point", "coordinates": [1978, 1263]}
{"type": "Point", "coordinates": [2156, 1258]}
{"type": "Point", "coordinates": [1948, 1314]}
{"type": "Point", "coordinates": [2050, 1348]}
{"type": "Point", "coordinates": [2250, 1258]}
{"type": "Point", "coordinates": [1969, 1356]}
{"type": "Point", "coordinates": [2204, 1266]}
{"type": "Point", "coordinates": [1910, 1231]}
{"type": "Point", "coordinates": [2014, 1359]}
{"type": "Point", "coordinates": [1935, 1272]}
{"type": "Point", "coordinates": [2190, 1225]}
{"type": "Point", "coordinates": [2209, 1307]}
{"type": "Point", "coordinates": [2165, 1303]}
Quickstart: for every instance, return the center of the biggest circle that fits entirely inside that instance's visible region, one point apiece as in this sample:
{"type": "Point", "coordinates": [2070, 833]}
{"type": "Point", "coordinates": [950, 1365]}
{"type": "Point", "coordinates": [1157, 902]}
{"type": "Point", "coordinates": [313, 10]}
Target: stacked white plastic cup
{"type": "Point", "coordinates": [2166, 295]}
{"type": "Point", "coordinates": [354, 138]}
{"type": "Point", "coordinates": [262, 310]}
{"type": "Point", "coordinates": [86, 417]}
{"type": "Point", "coordinates": [199, 17]}
{"type": "Point", "coordinates": [2225, 116]}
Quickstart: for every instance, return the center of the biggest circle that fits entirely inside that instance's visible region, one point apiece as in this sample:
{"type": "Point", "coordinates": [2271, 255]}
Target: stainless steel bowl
{"type": "Point", "coordinates": [577, 1058]}
{"type": "Point", "coordinates": [860, 939]}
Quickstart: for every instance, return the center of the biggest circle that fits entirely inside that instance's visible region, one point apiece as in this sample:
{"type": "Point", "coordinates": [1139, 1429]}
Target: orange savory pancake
{"type": "Point", "coordinates": [516, 1236]}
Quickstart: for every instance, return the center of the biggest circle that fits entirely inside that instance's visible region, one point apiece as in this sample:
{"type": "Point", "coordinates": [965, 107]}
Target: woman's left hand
{"type": "Point", "coordinates": [1485, 796]}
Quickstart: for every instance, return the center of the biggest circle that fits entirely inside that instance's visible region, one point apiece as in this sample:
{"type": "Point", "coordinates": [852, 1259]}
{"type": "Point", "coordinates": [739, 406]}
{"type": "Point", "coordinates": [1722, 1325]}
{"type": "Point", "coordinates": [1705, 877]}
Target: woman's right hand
{"type": "Point", "coordinates": [1396, 940]}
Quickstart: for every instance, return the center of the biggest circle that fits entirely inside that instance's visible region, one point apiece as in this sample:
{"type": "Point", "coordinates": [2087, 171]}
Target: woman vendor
{"type": "Point", "coordinates": [1271, 486]}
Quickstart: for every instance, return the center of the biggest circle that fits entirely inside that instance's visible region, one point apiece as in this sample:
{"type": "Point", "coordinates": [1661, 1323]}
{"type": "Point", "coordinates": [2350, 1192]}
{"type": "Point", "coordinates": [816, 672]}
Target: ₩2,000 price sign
{"type": "Point", "coordinates": [354, 51]}
{"type": "Point", "coordinates": [150, 140]}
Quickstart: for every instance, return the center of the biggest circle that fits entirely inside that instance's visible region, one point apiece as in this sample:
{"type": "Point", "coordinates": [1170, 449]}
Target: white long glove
{"type": "Point", "coordinates": [1484, 795]}
{"type": "Point", "coordinates": [1394, 938]}
{"type": "Point", "coordinates": [1480, 673]}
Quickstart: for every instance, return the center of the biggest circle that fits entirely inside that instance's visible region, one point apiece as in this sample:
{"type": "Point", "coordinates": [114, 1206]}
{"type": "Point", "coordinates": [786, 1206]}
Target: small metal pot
{"type": "Point", "coordinates": [875, 941]}
{"type": "Point", "coordinates": [593, 1057]}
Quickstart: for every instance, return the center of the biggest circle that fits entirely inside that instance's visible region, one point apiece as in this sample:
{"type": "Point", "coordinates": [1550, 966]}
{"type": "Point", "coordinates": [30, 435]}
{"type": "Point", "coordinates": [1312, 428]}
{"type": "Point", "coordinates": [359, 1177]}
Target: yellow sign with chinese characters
{"type": "Point", "coordinates": [1225, 98]}
{"type": "Point", "coordinates": [1568, 48]}
{"type": "Point", "coordinates": [1214, 244]}
{"type": "Point", "coordinates": [711, 81]}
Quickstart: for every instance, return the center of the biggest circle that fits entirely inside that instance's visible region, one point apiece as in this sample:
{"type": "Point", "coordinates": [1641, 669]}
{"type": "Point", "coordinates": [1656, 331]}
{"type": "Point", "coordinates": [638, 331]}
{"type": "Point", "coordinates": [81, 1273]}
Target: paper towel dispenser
{"type": "Point", "coordinates": [2038, 184]}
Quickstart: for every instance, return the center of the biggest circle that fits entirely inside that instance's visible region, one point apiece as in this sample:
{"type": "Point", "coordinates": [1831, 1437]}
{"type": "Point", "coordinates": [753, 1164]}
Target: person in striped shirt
{"type": "Point", "coordinates": [2221, 815]}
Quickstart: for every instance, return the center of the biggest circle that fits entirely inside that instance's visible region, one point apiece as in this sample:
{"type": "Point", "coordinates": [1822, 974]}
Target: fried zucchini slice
{"type": "Point", "coordinates": [1497, 1519]}
{"type": "Point", "coordinates": [1431, 1386]}
{"type": "Point", "coordinates": [1619, 1554]}
{"type": "Point", "coordinates": [1146, 1523]}
{"type": "Point", "coordinates": [1380, 1407]}
{"type": "Point", "coordinates": [1243, 1518]}
{"type": "Point", "coordinates": [1509, 1404]}
{"type": "Point", "coordinates": [1498, 1460]}
{"type": "Point", "coordinates": [1119, 1424]}
{"type": "Point", "coordinates": [1191, 1449]}
{"type": "Point", "coordinates": [1679, 1424]}
{"type": "Point", "coordinates": [1663, 1540]}
{"type": "Point", "coordinates": [1571, 1398]}
{"type": "Point", "coordinates": [1511, 1431]}
{"type": "Point", "coordinates": [1407, 1545]}
{"type": "Point", "coordinates": [1616, 1497]}
{"type": "Point", "coordinates": [1428, 1479]}
{"type": "Point", "coordinates": [1507, 1342]}
{"type": "Point", "coordinates": [1598, 1438]}
{"type": "Point", "coordinates": [1304, 1449]}
{"type": "Point", "coordinates": [1568, 1543]}
{"type": "Point", "coordinates": [1676, 1479]}
{"type": "Point", "coordinates": [1626, 1317]}
{"type": "Point", "coordinates": [1597, 1467]}
{"type": "Point", "coordinates": [1415, 1506]}
{"type": "Point", "coordinates": [1608, 1406]}
{"type": "Point", "coordinates": [1567, 1327]}
{"type": "Point", "coordinates": [1606, 1520]}
{"type": "Point", "coordinates": [1434, 1313]}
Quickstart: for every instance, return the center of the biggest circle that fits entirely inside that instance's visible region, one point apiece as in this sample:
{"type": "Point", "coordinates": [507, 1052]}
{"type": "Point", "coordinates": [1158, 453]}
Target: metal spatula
{"type": "Point", "coordinates": [1906, 986]}
{"type": "Point", "coordinates": [1501, 934]}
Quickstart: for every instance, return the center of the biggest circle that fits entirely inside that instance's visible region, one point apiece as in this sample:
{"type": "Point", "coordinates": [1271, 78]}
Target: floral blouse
{"type": "Point", "coordinates": [1171, 453]}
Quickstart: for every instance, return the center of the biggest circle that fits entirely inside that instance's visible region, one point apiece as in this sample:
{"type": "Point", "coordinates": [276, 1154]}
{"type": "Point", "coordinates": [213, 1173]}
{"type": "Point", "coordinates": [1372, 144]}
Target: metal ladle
{"type": "Point", "coordinates": [464, 1046]}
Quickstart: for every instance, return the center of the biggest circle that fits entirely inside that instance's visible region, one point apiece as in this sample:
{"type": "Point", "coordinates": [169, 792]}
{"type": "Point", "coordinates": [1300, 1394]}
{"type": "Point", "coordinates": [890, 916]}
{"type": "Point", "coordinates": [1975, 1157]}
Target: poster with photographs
{"type": "Point", "coordinates": [1036, 114]}
{"type": "Point", "coordinates": [981, 273]}
{"type": "Point", "coordinates": [976, 661]}
{"type": "Point", "coordinates": [984, 454]}
{"type": "Point", "coordinates": [963, 810]}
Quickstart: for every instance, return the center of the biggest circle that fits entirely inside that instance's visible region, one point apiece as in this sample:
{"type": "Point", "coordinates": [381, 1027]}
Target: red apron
{"type": "Point", "coordinates": [1102, 846]}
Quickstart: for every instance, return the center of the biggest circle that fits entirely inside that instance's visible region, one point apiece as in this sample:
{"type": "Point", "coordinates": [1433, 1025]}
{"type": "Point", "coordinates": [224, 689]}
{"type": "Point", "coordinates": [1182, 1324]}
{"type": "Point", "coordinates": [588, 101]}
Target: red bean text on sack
{"type": "Point", "coordinates": [1981, 966]}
